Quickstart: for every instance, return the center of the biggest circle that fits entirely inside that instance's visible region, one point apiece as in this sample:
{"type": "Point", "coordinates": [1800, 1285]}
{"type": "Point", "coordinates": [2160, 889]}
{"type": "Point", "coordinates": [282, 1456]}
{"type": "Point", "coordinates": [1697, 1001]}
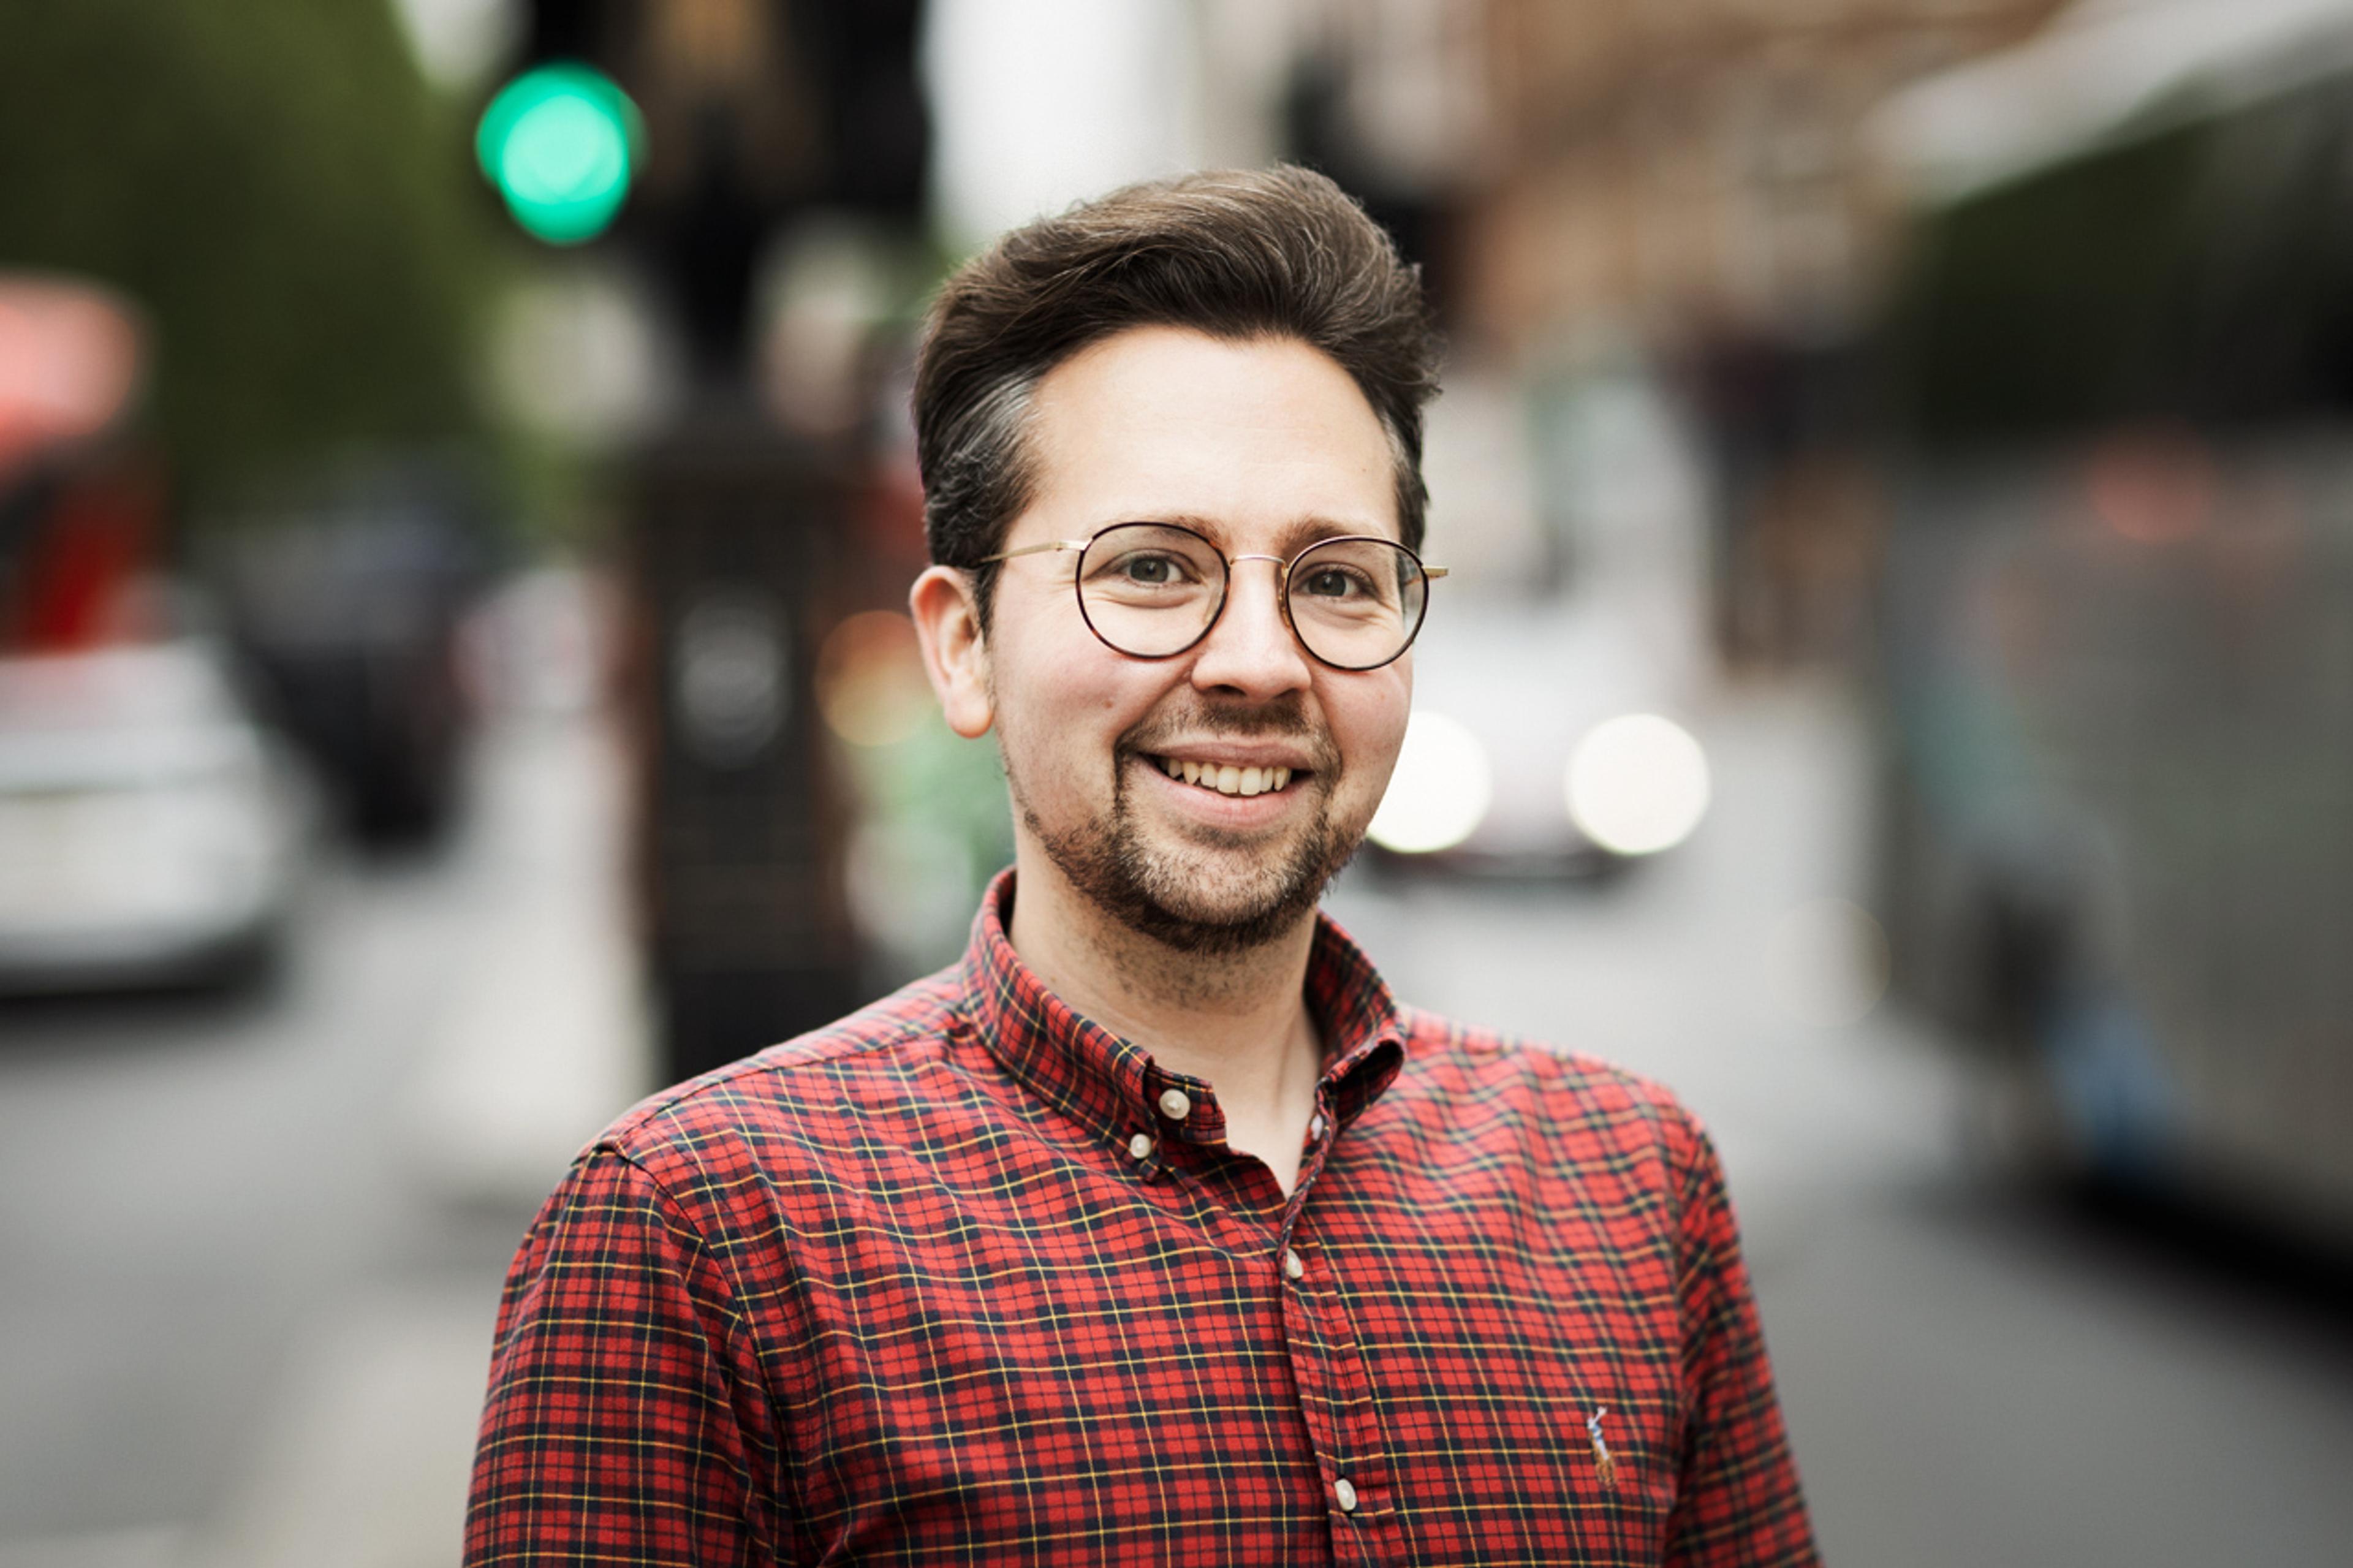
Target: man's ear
{"type": "Point", "coordinates": [955, 655]}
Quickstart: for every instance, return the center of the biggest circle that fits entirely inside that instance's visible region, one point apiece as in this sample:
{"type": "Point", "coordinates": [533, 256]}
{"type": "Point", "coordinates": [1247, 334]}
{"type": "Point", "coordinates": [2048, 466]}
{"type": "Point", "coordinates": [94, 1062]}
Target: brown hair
{"type": "Point", "coordinates": [1279, 253]}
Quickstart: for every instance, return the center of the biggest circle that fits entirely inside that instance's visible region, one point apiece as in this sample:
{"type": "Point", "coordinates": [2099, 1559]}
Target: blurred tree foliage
{"type": "Point", "coordinates": [276, 185]}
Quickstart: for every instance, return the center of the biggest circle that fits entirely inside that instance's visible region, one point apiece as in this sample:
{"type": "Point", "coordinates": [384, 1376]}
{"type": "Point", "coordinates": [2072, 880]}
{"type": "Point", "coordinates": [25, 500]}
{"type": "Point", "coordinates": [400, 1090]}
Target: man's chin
{"type": "Point", "coordinates": [1212, 925]}
{"type": "Point", "coordinates": [1210, 911]}
{"type": "Point", "coordinates": [1208, 931]}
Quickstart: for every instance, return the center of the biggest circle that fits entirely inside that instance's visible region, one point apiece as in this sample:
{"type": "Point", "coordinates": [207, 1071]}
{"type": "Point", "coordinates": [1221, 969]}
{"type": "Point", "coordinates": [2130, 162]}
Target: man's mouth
{"type": "Point", "coordinates": [1225, 778]}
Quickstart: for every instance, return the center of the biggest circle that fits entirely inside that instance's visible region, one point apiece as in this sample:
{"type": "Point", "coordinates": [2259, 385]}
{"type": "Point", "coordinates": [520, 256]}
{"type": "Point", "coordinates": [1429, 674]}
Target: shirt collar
{"type": "Point", "coordinates": [1111, 1086]}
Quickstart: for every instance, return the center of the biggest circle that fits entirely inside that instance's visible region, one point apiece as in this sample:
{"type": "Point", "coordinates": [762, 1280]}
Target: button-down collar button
{"type": "Point", "coordinates": [1175, 1104]}
{"type": "Point", "coordinates": [1315, 1126]}
{"type": "Point", "coordinates": [1345, 1494]}
{"type": "Point", "coordinates": [1140, 1145]}
{"type": "Point", "coordinates": [1292, 1267]}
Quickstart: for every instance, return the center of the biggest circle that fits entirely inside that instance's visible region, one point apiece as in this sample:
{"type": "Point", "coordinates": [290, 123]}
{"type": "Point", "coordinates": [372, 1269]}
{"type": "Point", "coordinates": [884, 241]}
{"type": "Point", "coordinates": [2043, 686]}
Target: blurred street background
{"type": "Point", "coordinates": [1895, 684]}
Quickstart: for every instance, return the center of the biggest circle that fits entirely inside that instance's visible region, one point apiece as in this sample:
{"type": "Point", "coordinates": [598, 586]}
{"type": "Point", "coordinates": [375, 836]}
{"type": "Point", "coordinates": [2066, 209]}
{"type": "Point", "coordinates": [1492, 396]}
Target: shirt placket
{"type": "Point", "coordinates": [1327, 1364]}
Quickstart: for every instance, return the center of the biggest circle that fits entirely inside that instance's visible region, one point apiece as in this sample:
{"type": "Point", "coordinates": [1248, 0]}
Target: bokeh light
{"type": "Point", "coordinates": [870, 680]}
{"type": "Point", "coordinates": [68, 362]}
{"type": "Point", "coordinates": [1440, 790]}
{"type": "Point", "coordinates": [1638, 784]}
{"type": "Point", "coordinates": [560, 143]}
{"type": "Point", "coordinates": [1825, 962]}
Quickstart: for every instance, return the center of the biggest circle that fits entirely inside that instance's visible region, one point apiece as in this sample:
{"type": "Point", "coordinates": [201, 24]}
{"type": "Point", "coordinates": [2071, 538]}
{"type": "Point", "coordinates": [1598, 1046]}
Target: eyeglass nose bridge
{"type": "Point", "coordinates": [1283, 565]}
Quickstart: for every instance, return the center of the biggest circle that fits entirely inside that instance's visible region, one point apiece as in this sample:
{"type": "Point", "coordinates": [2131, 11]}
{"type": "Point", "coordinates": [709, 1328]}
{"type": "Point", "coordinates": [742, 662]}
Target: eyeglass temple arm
{"type": "Point", "coordinates": [1032, 549]}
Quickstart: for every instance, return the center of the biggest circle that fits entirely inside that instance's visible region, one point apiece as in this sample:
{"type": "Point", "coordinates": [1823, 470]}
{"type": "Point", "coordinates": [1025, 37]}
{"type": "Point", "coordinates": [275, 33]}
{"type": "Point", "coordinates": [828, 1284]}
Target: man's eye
{"type": "Point", "coordinates": [1331, 582]}
{"type": "Point", "coordinates": [1152, 571]}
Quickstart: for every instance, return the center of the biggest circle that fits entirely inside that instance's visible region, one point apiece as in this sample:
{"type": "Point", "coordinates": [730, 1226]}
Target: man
{"type": "Point", "coordinates": [1155, 1231]}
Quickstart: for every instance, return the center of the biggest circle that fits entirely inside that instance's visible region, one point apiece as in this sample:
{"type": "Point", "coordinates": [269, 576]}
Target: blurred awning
{"type": "Point", "coordinates": [2101, 74]}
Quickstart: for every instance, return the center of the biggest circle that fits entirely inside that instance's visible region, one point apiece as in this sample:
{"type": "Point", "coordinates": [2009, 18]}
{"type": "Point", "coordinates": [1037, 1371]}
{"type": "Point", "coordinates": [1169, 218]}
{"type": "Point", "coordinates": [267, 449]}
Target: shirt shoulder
{"type": "Point", "coordinates": [802, 1096]}
{"type": "Point", "coordinates": [1477, 1083]}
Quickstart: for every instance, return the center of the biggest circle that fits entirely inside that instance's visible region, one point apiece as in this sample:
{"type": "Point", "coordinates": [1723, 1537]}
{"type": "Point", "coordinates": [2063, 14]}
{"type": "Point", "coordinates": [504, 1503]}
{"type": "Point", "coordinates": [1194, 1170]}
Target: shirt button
{"type": "Point", "coordinates": [1140, 1145]}
{"type": "Point", "coordinates": [1175, 1104]}
{"type": "Point", "coordinates": [1315, 1125]}
{"type": "Point", "coordinates": [1345, 1494]}
{"type": "Point", "coordinates": [1292, 1268]}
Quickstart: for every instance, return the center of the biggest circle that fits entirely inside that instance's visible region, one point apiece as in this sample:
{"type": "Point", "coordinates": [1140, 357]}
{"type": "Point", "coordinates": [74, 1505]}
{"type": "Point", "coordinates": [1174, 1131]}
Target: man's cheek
{"type": "Point", "coordinates": [1376, 757]}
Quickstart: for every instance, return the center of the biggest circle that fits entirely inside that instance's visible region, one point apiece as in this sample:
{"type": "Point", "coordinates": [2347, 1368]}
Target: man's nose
{"type": "Point", "coordinates": [1252, 650]}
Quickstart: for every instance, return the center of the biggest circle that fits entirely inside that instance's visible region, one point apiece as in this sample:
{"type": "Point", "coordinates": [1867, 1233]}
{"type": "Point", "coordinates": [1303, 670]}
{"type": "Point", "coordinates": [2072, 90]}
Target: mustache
{"type": "Point", "coordinates": [1285, 717]}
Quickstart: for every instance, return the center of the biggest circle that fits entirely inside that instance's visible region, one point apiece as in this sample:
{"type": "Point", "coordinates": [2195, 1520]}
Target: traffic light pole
{"type": "Point", "coordinates": [740, 552]}
{"type": "Point", "coordinates": [736, 568]}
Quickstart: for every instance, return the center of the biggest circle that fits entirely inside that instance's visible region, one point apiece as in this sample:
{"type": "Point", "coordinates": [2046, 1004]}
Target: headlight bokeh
{"type": "Point", "coordinates": [1440, 789]}
{"type": "Point", "coordinates": [1638, 784]}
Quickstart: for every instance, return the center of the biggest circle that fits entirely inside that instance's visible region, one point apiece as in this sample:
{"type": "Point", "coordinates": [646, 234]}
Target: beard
{"type": "Point", "coordinates": [1186, 893]}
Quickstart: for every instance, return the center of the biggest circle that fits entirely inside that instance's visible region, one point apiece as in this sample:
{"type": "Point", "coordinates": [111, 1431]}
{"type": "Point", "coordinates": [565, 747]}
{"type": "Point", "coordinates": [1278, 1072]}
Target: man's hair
{"type": "Point", "coordinates": [1279, 253]}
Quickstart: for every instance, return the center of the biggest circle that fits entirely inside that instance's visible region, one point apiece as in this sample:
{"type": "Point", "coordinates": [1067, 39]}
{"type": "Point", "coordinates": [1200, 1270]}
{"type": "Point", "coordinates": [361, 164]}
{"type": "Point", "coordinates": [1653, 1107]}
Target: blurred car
{"type": "Point", "coordinates": [150, 830]}
{"type": "Point", "coordinates": [1544, 741]}
{"type": "Point", "coordinates": [347, 604]}
{"type": "Point", "coordinates": [1554, 676]}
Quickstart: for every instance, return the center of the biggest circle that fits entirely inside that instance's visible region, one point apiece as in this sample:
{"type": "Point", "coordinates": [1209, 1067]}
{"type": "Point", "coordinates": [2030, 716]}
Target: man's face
{"type": "Point", "coordinates": [1263, 446]}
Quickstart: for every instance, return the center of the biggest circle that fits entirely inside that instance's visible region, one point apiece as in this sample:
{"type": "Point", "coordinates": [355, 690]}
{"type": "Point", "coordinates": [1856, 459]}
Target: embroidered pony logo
{"type": "Point", "coordinates": [1603, 1464]}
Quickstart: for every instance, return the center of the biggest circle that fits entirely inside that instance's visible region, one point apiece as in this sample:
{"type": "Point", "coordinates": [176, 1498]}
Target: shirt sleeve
{"type": "Point", "coordinates": [619, 1427]}
{"type": "Point", "coordinates": [1739, 1502]}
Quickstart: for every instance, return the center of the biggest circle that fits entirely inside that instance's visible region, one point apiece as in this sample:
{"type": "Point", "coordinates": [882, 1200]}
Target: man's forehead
{"type": "Point", "coordinates": [1256, 443]}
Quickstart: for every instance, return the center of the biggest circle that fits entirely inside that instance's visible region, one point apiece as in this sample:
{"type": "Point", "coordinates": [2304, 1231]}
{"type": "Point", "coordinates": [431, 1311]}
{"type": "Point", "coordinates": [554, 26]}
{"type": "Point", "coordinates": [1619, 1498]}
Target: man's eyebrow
{"type": "Point", "coordinates": [1296, 535]}
{"type": "Point", "coordinates": [1301, 532]}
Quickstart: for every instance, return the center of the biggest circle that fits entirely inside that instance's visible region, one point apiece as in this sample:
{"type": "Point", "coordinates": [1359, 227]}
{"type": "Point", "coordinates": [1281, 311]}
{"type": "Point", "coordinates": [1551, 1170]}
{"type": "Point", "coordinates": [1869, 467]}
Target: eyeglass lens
{"type": "Point", "coordinates": [1152, 590]}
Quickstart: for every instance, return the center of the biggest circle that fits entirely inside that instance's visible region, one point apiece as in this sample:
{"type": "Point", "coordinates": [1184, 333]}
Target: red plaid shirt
{"type": "Point", "coordinates": [964, 1277]}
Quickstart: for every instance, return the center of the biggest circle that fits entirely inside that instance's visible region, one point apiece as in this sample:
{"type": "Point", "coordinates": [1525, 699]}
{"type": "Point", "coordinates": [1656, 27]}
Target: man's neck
{"type": "Point", "coordinates": [1237, 1021]}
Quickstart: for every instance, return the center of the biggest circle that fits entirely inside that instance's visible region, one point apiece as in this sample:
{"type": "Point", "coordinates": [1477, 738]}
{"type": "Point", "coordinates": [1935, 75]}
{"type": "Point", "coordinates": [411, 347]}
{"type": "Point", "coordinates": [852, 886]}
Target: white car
{"type": "Point", "coordinates": [1555, 680]}
{"type": "Point", "coordinates": [1548, 737]}
{"type": "Point", "coordinates": [150, 831]}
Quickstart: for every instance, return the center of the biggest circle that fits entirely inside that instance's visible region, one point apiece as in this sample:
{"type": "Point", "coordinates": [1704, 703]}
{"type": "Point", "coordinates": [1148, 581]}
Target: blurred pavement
{"type": "Point", "coordinates": [254, 1242]}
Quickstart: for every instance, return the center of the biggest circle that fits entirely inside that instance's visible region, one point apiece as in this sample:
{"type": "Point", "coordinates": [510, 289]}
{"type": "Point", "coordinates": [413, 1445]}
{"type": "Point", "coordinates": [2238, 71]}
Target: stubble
{"type": "Point", "coordinates": [1182, 892]}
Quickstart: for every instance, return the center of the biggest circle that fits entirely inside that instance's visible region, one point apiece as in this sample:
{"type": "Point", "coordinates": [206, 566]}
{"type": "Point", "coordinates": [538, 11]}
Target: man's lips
{"type": "Point", "coordinates": [1227, 776]}
{"type": "Point", "coordinates": [1255, 754]}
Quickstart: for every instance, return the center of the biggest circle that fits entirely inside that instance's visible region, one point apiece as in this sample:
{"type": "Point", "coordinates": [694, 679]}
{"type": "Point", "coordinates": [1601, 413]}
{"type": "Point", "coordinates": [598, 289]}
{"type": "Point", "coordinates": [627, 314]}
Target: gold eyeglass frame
{"type": "Point", "coordinates": [1429, 574]}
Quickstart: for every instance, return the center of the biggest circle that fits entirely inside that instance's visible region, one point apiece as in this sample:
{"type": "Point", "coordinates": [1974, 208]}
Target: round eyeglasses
{"type": "Point", "coordinates": [1153, 590]}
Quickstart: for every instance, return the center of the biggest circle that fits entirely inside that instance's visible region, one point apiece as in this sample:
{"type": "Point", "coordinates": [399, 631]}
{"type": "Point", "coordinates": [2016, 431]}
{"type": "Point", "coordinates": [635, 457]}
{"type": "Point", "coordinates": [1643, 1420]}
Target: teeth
{"type": "Point", "coordinates": [1227, 780]}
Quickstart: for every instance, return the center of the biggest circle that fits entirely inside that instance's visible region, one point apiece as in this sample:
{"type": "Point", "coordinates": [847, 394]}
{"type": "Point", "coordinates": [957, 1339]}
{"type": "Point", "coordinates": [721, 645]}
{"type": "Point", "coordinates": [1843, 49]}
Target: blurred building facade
{"type": "Point", "coordinates": [1699, 167]}
{"type": "Point", "coordinates": [1687, 188]}
{"type": "Point", "coordinates": [1694, 178]}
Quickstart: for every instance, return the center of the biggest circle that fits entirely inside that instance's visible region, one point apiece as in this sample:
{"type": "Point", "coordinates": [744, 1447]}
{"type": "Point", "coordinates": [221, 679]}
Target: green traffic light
{"type": "Point", "coordinates": [560, 143]}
